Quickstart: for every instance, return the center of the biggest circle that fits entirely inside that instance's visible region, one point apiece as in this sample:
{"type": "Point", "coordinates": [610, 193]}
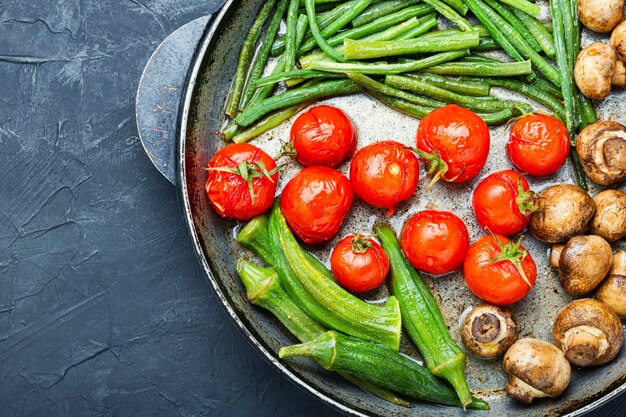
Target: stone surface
{"type": "Point", "coordinates": [104, 310]}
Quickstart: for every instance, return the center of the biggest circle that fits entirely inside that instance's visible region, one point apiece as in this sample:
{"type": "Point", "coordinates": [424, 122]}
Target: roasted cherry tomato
{"type": "Point", "coordinates": [324, 136]}
{"type": "Point", "coordinates": [539, 144]}
{"type": "Point", "coordinates": [315, 203]}
{"type": "Point", "coordinates": [455, 143]}
{"type": "Point", "coordinates": [435, 241]}
{"type": "Point", "coordinates": [499, 271]}
{"type": "Point", "coordinates": [242, 181]}
{"type": "Point", "coordinates": [503, 203]}
{"type": "Point", "coordinates": [384, 174]}
{"type": "Point", "coordinates": [359, 263]}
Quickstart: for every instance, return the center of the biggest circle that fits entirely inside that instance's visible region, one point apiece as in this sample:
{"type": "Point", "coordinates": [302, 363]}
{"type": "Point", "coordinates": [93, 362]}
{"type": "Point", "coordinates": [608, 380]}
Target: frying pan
{"type": "Point", "coordinates": [201, 116]}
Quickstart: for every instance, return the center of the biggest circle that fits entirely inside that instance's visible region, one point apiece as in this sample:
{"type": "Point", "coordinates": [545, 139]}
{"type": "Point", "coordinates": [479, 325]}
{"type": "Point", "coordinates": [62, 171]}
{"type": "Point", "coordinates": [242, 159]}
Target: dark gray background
{"type": "Point", "coordinates": [103, 307]}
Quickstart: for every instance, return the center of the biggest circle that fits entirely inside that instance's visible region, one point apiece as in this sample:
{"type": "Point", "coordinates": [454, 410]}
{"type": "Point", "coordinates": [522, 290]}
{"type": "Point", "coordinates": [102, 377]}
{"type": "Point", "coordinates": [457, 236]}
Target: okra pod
{"type": "Point", "coordinates": [422, 318]}
{"type": "Point", "coordinates": [379, 365]}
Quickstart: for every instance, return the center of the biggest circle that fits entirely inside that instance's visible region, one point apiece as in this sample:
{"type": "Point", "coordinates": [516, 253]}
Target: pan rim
{"type": "Point", "coordinates": [183, 119]}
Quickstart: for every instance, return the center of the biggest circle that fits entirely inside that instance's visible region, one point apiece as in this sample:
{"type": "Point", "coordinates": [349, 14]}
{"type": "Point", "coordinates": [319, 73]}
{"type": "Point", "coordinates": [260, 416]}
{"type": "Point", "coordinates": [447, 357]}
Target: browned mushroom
{"type": "Point", "coordinates": [583, 262]}
{"type": "Point", "coordinates": [609, 221]}
{"type": "Point", "coordinates": [596, 69]}
{"type": "Point", "coordinates": [612, 291]}
{"type": "Point", "coordinates": [588, 332]}
{"type": "Point", "coordinates": [488, 331]}
{"type": "Point", "coordinates": [538, 369]}
{"type": "Point", "coordinates": [600, 15]}
{"type": "Point", "coordinates": [601, 147]}
{"type": "Point", "coordinates": [564, 211]}
{"type": "Point", "coordinates": [618, 41]}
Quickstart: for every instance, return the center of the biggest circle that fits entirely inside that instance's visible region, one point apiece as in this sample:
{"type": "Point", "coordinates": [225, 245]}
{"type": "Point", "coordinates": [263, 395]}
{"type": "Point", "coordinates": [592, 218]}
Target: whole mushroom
{"type": "Point", "coordinates": [538, 369]}
{"type": "Point", "coordinates": [618, 41]}
{"type": "Point", "coordinates": [609, 221]}
{"type": "Point", "coordinates": [488, 331]}
{"type": "Point", "coordinates": [600, 15]}
{"type": "Point", "coordinates": [588, 332]}
{"type": "Point", "coordinates": [582, 262]}
{"type": "Point", "coordinates": [564, 211]}
{"type": "Point", "coordinates": [596, 69]}
{"type": "Point", "coordinates": [612, 291]}
{"type": "Point", "coordinates": [601, 148]}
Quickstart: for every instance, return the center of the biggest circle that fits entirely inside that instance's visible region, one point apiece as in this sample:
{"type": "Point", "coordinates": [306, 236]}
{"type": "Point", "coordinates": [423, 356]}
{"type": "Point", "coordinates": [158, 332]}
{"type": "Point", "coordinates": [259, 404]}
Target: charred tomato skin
{"type": "Point", "coordinates": [324, 136]}
{"type": "Point", "coordinates": [359, 269]}
{"type": "Point", "coordinates": [498, 201]}
{"type": "Point", "coordinates": [435, 241]}
{"type": "Point", "coordinates": [497, 282]}
{"type": "Point", "coordinates": [384, 174]}
{"type": "Point", "coordinates": [538, 145]}
{"type": "Point", "coordinates": [315, 203]}
{"type": "Point", "coordinates": [228, 192]}
{"type": "Point", "coordinates": [460, 137]}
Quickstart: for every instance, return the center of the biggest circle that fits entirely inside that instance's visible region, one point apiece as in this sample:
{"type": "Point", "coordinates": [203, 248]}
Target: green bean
{"type": "Point", "coordinates": [382, 68]}
{"type": "Point", "coordinates": [458, 5]}
{"type": "Point", "coordinates": [290, 35]}
{"type": "Point", "coordinates": [263, 54]}
{"type": "Point", "coordinates": [293, 97]}
{"type": "Point", "coordinates": [525, 6]}
{"type": "Point", "coordinates": [446, 96]}
{"type": "Point", "coordinates": [542, 65]}
{"type": "Point", "coordinates": [508, 15]}
{"type": "Point", "coordinates": [367, 49]}
{"type": "Point", "coordinates": [298, 74]}
{"type": "Point", "coordinates": [230, 131]}
{"type": "Point", "coordinates": [450, 14]}
{"type": "Point", "coordinates": [265, 91]}
{"type": "Point", "coordinates": [333, 27]}
{"type": "Point", "coordinates": [489, 69]}
{"type": "Point", "coordinates": [482, 32]}
{"type": "Point", "coordinates": [480, 58]}
{"type": "Point", "coordinates": [525, 89]}
{"type": "Point", "coordinates": [245, 57]}
{"type": "Point", "coordinates": [458, 86]}
{"type": "Point", "coordinates": [373, 85]}
{"type": "Point", "coordinates": [548, 87]}
{"type": "Point", "coordinates": [589, 115]}
{"type": "Point", "coordinates": [381, 9]}
{"type": "Point", "coordinates": [268, 122]}
{"type": "Point", "coordinates": [539, 32]}
{"type": "Point", "coordinates": [486, 44]}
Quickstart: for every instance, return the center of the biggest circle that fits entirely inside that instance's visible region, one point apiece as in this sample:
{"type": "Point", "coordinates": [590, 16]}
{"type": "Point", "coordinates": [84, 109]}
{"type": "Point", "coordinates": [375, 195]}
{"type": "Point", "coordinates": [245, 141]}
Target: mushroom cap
{"type": "Point", "coordinates": [581, 319]}
{"type": "Point", "coordinates": [594, 69]}
{"type": "Point", "coordinates": [600, 15]}
{"type": "Point", "coordinates": [618, 41]}
{"type": "Point", "coordinates": [584, 262]}
{"type": "Point", "coordinates": [609, 221]}
{"type": "Point", "coordinates": [539, 364]}
{"type": "Point", "coordinates": [601, 147]}
{"type": "Point", "coordinates": [564, 211]}
{"type": "Point", "coordinates": [488, 331]}
{"type": "Point", "coordinates": [612, 291]}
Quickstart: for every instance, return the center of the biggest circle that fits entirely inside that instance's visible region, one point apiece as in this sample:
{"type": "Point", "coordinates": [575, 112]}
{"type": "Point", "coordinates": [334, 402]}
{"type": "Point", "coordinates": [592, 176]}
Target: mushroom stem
{"type": "Point", "coordinates": [619, 76]}
{"type": "Point", "coordinates": [555, 255]}
{"type": "Point", "coordinates": [582, 345]}
{"type": "Point", "coordinates": [518, 389]}
{"type": "Point", "coordinates": [618, 265]}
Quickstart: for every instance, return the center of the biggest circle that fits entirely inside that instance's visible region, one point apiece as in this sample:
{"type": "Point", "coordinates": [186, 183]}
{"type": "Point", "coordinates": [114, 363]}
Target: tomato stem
{"type": "Point", "coordinates": [361, 243]}
{"type": "Point", "coordinates": [526, 200]}
{"type": "Point", "coordinates": [248, 171]}
{"type": "Point", "coordinates": [511, 252]}
{"type": "Point", "coordinates": [288, 149]}
{"type": "Point", "coordinates": [436, 165]}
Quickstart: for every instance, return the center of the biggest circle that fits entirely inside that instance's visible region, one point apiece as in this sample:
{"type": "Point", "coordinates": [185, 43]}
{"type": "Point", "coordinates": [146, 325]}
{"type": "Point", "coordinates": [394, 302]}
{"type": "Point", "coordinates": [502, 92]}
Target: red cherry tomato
{"type": "Point", "coordinates": [324, 136]}
{"type": "Point", "coordinates": [315, 203]}
{"type": "Point", "coordinates": [461, 141]}
{"type": "Point", "coordinates": [503, 203]}
{"type": "Point", "coordinates": [435, 241]}
{"type": "Point", "coordinates": [242, 181]}
{"type": "Point", "coordinates": [359, 263]}
{"type": "Point", "coordinates": [384, 174]}
{"type": "Point", "coordinates": [539, 144]}
{"type": "Point", "coordinates": [500, 272]}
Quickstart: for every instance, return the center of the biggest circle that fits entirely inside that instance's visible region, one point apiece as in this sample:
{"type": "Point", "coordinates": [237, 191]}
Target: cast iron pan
{"type": "Point", "coordinates": [213, 237]}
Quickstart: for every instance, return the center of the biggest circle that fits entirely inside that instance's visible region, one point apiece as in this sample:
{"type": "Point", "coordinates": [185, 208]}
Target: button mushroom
{"type": "Point", "coordinates": [612, 291]}
{"type": "Point", "coordinates": [596, 69]}
{"type": "Point", "coordinates": [601, 147]}
{"type": "Point", "coordinates": [600, 15]}
{"type": "Point", "coordinates": [488, 331]}
{"type": "Point", "coordinates": [564, 211]}
{"type": "Point", "coordinates": [588, 332]}
{"type": "Point", "coordinates": [618, 41]}
{"type": "Point", "coordinates": [582, 262]}
{"type": "Point", "coordinates": [609, 221]}
{"type": "Point", "coordinates": [538, 369]}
